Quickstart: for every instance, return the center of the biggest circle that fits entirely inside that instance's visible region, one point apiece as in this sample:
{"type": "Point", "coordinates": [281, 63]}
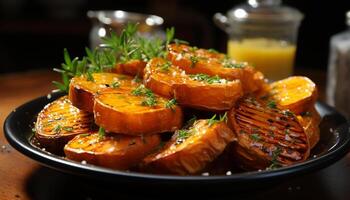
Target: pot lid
{"type": "Point", "coordinates": [264, 11]}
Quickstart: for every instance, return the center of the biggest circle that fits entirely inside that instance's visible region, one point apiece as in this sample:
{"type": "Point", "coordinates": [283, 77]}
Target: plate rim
{"type": "Point", "coordinates": [73, 167]}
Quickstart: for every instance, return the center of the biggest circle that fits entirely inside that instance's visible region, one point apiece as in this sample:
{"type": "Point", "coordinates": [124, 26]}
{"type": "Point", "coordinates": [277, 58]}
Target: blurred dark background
{"type": "Point", "coordinates": [33, 33]}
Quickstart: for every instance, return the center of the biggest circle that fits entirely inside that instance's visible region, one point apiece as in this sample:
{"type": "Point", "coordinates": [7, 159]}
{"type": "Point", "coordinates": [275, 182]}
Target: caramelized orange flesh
{"type": "Point", "coordinates": [82, 90]}
{"type": "Point", "coordinates": [59, 122]}
{"type": "Point", "coordinates": [113, 150]}
{"type": "Point", "coordinates": [190, 155]}
{"type": "Point", "coordinates": [197, 61]}
{"type": "Point", "coordinates": [296, 93]}
{"type": "Point", "coordinates": [122, 112]}
{"type": "Point", "coordinates": [310, 120]}
{"type": "Point", "coordinates": [173, 82]}
{"type": "Point", "coordinates": [267, 136]}
{"type": "Point", "coordinates": [132, 68]}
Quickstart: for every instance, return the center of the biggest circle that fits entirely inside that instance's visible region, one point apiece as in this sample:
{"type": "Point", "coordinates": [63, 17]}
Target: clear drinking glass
{"type": "Point", "coordinates": [264, 34]}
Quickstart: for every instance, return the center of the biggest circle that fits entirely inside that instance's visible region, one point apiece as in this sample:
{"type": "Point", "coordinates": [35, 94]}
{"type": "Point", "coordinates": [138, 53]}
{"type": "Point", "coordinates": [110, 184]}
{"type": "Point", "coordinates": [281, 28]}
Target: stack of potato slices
{"type": "Point", "coordinates": [115, 120]}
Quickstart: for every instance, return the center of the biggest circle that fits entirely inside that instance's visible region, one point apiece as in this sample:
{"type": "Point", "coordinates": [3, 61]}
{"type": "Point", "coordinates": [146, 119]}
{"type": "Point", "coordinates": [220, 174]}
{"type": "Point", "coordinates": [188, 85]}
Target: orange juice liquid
{"type": "Point", "coordinates": [274, 58]}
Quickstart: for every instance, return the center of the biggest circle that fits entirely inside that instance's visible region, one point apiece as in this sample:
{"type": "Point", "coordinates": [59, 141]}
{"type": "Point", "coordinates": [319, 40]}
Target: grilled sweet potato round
{"type": "Point", "coordinates": [198, 90]}
{"type": "Point", "coordinates": [190, 151]}
{"type": "Point", "coordinates": [112, 150]}
{"type": "Point", "coordinates": [59, 122]}
{"type": "Point", "coordinates": [132, 68]}
{"type": "Point", "coordinates": [201, 61]}
{"type": "Point", "coordinates": [160, 76]}
{"type": "Point", "coordinates": [296, 93]}
{"type": "Point", "coordinates": [267, 136]}
{"type": "Point", "coordinates": [310, 120]}
{"type": "Point", "coordinates": [82, 90]}
{"type": "Point", "coordinates": [134, 113]}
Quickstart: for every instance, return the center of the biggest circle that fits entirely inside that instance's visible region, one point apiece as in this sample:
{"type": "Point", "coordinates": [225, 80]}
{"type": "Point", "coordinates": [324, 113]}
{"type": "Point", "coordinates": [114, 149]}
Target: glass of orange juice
{"type": "Point", "coordinates": [262, 33]}
{"type": "Point", "coordinates": [272, 57]}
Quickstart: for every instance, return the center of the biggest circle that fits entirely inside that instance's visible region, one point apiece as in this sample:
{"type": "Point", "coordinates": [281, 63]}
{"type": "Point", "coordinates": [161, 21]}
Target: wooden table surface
{"type": "Point", "coordinates": [23, 178]}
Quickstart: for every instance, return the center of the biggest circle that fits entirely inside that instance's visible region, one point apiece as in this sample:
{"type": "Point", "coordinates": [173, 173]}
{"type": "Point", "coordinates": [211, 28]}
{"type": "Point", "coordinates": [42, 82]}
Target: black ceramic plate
{"type": "Point", "coordinates": [334, 144]}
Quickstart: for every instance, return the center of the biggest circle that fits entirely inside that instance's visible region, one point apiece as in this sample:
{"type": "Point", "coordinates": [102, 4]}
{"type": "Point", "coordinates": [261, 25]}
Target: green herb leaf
{"type": "Point", "coordinates": [170, 104]}
{"type": "Point", "coordinates": [67, 128]}
{"type": "Point", "coordinates": [57, 129]}
{"type": "Point", "coordinates": [255, 137]}
{"type": "Point", "coordinates": [208, 79]}
{"type": "Point", "coordinates": [182, 135]}
{"type": "Point", "coordinates": [194, 61]}
{"type": "Point", "coordinates": [101, 133]}
{"type": "Point", "coordinates": [115, 84]}
{"type": "Point", "coordinates": [272, 104]}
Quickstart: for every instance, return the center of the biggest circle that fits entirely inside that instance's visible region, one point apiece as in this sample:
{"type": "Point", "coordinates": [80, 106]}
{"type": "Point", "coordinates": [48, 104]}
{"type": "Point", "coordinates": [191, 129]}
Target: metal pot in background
{"type": "Point", "coordinates": [105, 21]}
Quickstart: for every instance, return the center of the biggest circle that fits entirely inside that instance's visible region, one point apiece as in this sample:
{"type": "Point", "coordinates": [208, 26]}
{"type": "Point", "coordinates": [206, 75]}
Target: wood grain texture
{"type": "Point", "coordinates": [17, 89]}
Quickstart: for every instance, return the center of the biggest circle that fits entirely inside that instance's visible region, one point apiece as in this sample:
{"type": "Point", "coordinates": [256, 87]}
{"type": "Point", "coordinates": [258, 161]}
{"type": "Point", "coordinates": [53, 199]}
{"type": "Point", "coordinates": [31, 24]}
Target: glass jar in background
{"type": "Point", "coordinates": [104, 21]}
{"type": "Point", "coordinates": [338, 76]}
{"type": "Point", "coordinates": [264, 34]}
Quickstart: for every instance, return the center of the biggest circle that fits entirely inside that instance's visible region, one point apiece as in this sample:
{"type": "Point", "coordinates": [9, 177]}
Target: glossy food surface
{"type": "Point", "coordinates": [59, 122]}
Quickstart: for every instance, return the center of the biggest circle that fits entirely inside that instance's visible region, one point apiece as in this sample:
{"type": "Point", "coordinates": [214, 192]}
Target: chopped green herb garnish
{"type": "Point", "coordinates": [286, 131]}
{"type": "Point", "coordinates": [208, 79]}
{"type": "Point", "coordinates": [274, 161]}
{"type": "Point", "coordinates": [142, 90]}
{"type": "Point", "coordinates": [223, 118]}
{"type": "Point", "coordinates": [115, 84]}
{"type": "Point", "coordinates": [170, 104]}
{"type": "Point", "coordinates": [213, 120]}
{"type": "Point", "coordinates": [193, 49]}
{"type": "Point", "coordinates": [165, 66]}
{"type": "Point", "coordinates": [228, 63]}
{"type": "Point", "coordinates": [101, 133]}
{"type": "Point", "coordinates": [194, 60]}
{"type": "Point", "coordinates": [149, 101]}
{"type": "Point", "coordinates": [272, 104]}
{"type": "Point", "coordinates": [255, 137]}
{"type": "Point", "coordinates": [182, 135]}
{"type": "Point", "coordinates": [67, 128]}
{"type": "Point", "coordinates": [57, 128]}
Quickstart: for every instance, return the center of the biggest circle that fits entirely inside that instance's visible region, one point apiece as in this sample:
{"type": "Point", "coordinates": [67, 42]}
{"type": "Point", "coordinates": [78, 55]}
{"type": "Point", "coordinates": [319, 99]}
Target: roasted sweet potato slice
{"type": "Point", "coordinates": [310, 120]}
{"type": "Point", "coordinates": [267, 136]}
{"type": "Point", "coordinates": [112, 150]}
{"type": "Point", "coordinates": [296, 93]}
{"type": "Point", "coordinates": [136, 112]}
{"type": "Point", "coordinates": [82, 90]}
{"type": "Point", "coordinates": [160, 76]}
{"type": "Point", "coordinates": [132, 68]}
{"type": "Point", "coordinates": [198, 90]}
{"type": "Point", "coordinates": [59, 122]}
{"type": "Point", "coordinates": [190, 151]}
{"type": "Point", "coordinates": [201, 61]}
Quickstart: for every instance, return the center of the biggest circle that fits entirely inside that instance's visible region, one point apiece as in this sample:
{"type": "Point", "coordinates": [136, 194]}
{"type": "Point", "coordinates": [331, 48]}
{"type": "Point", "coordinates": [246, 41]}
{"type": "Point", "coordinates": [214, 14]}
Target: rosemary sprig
{"type": "Point", "coordinates": [115, 49]}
